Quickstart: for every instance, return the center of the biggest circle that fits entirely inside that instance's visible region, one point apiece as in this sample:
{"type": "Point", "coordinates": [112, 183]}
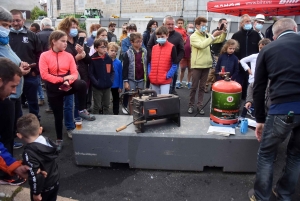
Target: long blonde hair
{"type": "Point", "coordinates": [227, 44]}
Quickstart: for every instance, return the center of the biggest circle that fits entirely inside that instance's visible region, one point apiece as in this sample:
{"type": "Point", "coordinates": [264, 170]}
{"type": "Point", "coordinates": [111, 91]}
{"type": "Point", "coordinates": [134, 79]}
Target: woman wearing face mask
{"type": "Point", "coordinates": [93, 32]}
{"type": "Point", "coordinates": [101, 34]}
{"type": "Point", "coordinates": [151, 27]}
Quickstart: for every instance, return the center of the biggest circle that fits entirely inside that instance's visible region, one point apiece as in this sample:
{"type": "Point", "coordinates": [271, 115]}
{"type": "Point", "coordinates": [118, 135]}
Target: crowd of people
{"type": "Point", "coordinates": [80, 74]}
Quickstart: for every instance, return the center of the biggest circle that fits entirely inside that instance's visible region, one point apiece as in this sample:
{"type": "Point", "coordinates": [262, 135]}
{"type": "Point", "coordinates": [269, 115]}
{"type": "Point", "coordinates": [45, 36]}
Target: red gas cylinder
{"type": "Point", "coordinates": [225, 104]}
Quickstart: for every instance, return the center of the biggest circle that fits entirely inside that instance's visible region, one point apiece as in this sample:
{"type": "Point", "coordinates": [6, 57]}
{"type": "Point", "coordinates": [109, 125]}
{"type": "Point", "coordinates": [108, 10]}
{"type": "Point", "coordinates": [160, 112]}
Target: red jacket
{"type": "Point", "coordinates": [161, 63]}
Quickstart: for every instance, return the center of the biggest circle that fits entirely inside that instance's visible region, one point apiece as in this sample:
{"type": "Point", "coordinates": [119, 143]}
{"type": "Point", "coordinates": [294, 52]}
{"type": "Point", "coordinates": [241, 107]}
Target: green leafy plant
{"type": "Point", "coordinates": [82, 26]}
{"type": "Point", "coordinates": [36, 12]}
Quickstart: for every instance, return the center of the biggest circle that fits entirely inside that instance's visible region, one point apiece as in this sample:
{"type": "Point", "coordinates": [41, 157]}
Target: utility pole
{"type": "Point", "coordinates": [182, 8]}
{"type": "Point", "coordinates": [120, 8]}
{"type": "Point", "coordinates": [74, 7]}
{"type": "Point", "coordinates": [197, 8]}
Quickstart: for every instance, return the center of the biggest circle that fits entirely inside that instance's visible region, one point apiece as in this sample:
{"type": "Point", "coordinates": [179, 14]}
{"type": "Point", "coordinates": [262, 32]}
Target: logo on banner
{"type": "Point", "coordinates": [288, 1]}
{"type": "Point", "coordinates": [227, 5]}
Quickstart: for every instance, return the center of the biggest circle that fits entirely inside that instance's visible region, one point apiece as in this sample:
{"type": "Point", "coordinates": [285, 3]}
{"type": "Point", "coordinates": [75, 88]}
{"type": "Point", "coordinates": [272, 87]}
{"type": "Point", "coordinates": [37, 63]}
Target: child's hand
{"type": "Point", "coordinates": [37, 197]}
{"type": "Point", "coordinates": [249, 71]}
{"type": "Point", "coordinates": [126, 86]}
{"type": "Point", "coordinates": [248, 105]}
{"type": "Point", "coordinates": [119, 90]}
{"type": "Point", "coordinates": [66, 83]}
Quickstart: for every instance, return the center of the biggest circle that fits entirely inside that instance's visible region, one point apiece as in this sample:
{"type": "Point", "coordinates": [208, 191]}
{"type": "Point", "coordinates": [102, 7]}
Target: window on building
{"type": "Point", "coordinates": [111, 1]}
{"type": "Point", "coordinates": [58, 4]}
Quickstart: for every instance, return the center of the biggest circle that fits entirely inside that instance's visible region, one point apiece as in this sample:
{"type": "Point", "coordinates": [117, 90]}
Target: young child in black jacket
{"type": "Point", "coordinates": [101, 73]}
{"type": "Point", "coordinates": [39, 154]}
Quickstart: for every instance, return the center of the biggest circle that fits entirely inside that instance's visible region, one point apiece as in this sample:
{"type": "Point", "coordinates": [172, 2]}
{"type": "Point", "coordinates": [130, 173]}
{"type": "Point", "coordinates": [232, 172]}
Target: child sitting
{"type": "Point", "coordinates": [39, 153]}
{"type": "Point", "coordinates": [228, 60]}
{"type": "Point", "coordinates": [101, 74]}
{"type": "Point", "coordinates": [162, 62]}
{"type": "Point", "coordinates": [117, 86]}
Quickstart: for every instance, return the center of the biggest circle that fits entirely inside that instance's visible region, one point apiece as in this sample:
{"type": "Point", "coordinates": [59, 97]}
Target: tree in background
{"type": "Point", "coordinates": [36, 12]}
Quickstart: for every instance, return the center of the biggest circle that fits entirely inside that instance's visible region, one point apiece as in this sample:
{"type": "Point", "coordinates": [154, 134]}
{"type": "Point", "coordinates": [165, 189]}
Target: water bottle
{"type": "Point", "coordinates": [244, 126]}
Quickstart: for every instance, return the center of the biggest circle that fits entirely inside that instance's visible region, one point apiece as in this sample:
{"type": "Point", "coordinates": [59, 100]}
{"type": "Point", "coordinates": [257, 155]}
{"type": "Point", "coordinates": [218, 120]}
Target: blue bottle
{"type": "Point", "coordinates": [244, 126]}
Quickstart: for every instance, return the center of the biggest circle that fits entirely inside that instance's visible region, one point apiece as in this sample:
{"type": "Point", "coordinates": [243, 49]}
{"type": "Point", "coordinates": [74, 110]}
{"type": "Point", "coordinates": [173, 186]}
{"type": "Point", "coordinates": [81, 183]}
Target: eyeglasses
{"type": "Point", "coordinates": [139, 42]}
{"type": "Point", "coordinates": [103, 47]}
{"type": "Point", "coordinates": [18, 20]}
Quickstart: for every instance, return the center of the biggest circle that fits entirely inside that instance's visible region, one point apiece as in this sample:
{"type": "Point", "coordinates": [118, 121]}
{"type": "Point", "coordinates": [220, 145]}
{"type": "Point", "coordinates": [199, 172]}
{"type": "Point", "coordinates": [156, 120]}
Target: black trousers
{"type": "Point", "coordinates": [56, 100]}
{"type": "Point", "coordinates": [116, 100]}
{"type": "Point", "coordinates": [49, 195]}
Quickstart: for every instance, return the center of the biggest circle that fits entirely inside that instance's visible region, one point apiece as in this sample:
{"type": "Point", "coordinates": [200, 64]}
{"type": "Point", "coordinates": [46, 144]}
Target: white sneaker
{"type": "Point", "coordinates": [124, 110]}
{"type": "Point", "coordinates": [70, 132]}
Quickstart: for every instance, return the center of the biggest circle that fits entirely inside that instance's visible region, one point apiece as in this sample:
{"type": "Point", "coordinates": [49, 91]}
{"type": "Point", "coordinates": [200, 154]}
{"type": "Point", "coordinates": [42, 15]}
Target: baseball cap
{"type": "Point", "coordinates": [260, 18]}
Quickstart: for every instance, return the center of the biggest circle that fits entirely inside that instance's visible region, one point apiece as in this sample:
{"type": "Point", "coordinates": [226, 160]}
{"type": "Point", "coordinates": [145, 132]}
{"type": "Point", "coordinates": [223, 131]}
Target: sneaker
{"type": "Point", "coordinates": [251, 195]}
{"type": "Point", "coordinates": [41, 102]}
{"type": "Point", "coordinates": [201, 111]}
{"type": "Point", "coordinates": [189, 85]}
{"type": "Point", "coordinates": [18, 145]}
{"type": "Point", "coordinates": [124, 110]}
{"type": "Point", "coordinates": [59, 144]}
{"type": "Point", "coordinates": [49, 110]}
{"type": "Point", "coordinates": [86, 115]}
{"type": "Point", "coordinates": [12, 182]}
{"type": "Point", "coordinates": [70, 132]}
{"type": "Point", "coordinates": [178, 85]}
{"type": "Point", "coordinates": [249, 112]}
{"type": "Point", "coordinates": [190, 110]}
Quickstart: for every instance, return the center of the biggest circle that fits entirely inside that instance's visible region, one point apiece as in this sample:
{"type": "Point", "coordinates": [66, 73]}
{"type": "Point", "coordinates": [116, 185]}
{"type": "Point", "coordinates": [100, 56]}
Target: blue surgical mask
{"type": "Point", "coordinates": [153, 29]}
{"type": "Point", "coordinates": [190, 30]}
{"type": "Point", "coordinates": [11, 28]}
{"type": "Point", "coordinates": [4, 32]}
{"type": "Point", "coordinates": [73, 32]}
{"type": "Point", "coordinates": [259, 26]}
{"type": "Point", "coordinates": [94, 33]}
{"type": "Point", "coordinates": [247, 27]}
{"type": "Point", "coordinates": [203, 29]}
{"type": "Point", "coordinates": [161, 40]}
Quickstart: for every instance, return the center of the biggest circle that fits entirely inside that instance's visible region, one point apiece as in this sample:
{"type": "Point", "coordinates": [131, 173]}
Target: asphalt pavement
{"type": "Point", "coordinates": [121, 183]}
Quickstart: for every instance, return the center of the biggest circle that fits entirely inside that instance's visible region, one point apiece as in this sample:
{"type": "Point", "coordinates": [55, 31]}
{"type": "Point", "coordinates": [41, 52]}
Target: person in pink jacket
{"type": "Point", "coordinates": [59, 71]}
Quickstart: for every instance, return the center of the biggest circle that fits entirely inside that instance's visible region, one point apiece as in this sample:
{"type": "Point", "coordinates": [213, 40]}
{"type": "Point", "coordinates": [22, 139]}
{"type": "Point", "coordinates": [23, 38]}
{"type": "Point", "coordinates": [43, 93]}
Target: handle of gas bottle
{"type": "Point", "coordinates": [121, 128]}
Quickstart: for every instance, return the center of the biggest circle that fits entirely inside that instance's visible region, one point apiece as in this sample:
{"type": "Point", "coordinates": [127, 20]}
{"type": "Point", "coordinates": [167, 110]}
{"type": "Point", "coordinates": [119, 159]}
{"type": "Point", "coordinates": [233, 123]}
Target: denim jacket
{"type": "Point", "coordinates": [7, 52]}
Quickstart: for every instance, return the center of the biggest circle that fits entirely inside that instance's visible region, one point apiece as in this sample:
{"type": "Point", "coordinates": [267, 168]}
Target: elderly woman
{"type": "Point", "coordinates": [10, 107]}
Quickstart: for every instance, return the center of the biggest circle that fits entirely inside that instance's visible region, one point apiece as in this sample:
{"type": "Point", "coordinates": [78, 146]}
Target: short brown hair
{"type": "Point", "coordinates": [98, 42]}
{"type": "Point", "coordinates": [94, 27]}
{"type": "Point", "coordinates": [100, 31]}
{"type": "Point", "coordinates": [198, 20]}
{"type": "Point", "coordinates": [264, 41]}
{"type": "Point", "coordinates": [131, 27]}
{"type": "Point", "coordinates": [55, 35]}
{"type": "Point", "coordinates": [113, 45]}
{"type": "Point", "coordinates": [8, 70]}
{"type": "Point", "coordinates": [65, 24]}
{"type": "Point", "coordinates": [16, 12]}
{"type": "Point", "coordinates": [134, 36]}
{"type": "Point", "coordinates": [28, 125]}
{"type": "Point", "coordinates": [180, 19]}
{"type": "Point", "coordinates": [162, 30]}
{"type": "Point", "coordinates": [111, 24]}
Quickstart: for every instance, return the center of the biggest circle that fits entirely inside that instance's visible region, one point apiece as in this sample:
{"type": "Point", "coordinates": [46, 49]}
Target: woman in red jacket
{"type": "Point", "coordinates": [59, 71]}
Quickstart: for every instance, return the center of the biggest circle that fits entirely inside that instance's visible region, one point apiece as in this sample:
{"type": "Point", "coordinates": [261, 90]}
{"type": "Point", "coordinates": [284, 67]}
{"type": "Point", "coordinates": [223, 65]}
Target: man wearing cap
{"type": "Point", "coordinates": [258, 24]}
{"type": "Point", "coordinates": [111, 37]}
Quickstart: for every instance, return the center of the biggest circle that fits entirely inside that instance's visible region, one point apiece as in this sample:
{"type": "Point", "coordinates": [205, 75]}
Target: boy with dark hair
{"type": "Point", "coordinates": [180, 28]}
{"type": "Point", "coordinates": [162, 65]}
{"type": "Point", "coordinates": [135, 64]}
{"type": "Point", "coordinates": [39, 153]}
{"type": "Point", "coordinates": [102, 75]}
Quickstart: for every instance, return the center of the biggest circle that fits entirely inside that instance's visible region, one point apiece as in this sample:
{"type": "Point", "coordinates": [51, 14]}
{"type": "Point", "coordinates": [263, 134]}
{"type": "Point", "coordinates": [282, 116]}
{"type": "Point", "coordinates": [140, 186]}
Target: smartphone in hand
{"type": "Point", "coordinates": [81, 41]}
{"type": "Point", "coordinates": [222, 27]}
{"type": "Point", "coordinates": [65, 87]}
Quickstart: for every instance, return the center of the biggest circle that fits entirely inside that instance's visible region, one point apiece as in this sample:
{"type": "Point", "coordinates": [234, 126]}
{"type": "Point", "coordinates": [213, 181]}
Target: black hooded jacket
{"type": "Point", "coordinates": [37, 155]}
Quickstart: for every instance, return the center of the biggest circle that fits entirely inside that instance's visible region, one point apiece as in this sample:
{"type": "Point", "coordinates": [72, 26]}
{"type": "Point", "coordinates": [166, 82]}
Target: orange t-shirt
{"type": "Point", "coordinates": [183, 33]}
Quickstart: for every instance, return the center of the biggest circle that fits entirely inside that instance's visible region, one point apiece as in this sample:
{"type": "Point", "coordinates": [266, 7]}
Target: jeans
{"type": "Point", "coordinates": [173, 83]}
{"type": "Point", "coordinates": [40, 89]}
{"type": "Point", "coordinates": [30, 89]}
{"type": "Point", "coordinates": [68, 112]}
{"type": "Point", "coordinates": [274, 133]}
